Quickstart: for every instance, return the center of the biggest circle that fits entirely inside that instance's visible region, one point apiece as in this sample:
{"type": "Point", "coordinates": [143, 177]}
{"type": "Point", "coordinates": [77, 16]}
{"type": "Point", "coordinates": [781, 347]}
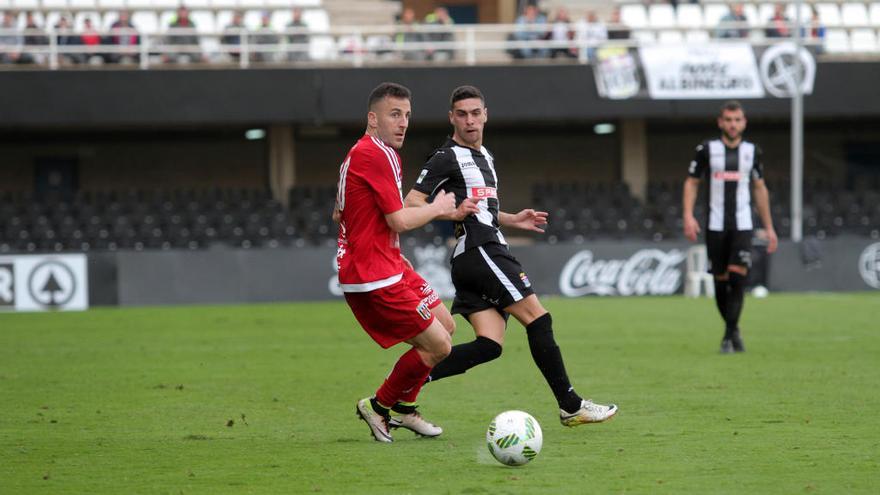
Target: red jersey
{"type": "Point", "coordinates": [368, 254]}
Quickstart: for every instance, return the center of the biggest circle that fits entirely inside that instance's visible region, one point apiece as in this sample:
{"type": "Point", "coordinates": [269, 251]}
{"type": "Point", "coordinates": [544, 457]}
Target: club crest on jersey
{"type": "Point", "coordinates": [525, 279]}
{"type": "Point", "coordinates": [422, 176]}
{"type": "Point", "coordinates": [727, 176]}
{"type": "Point", "coordinates": [423, 310]}
{"type": "Point", "coordinates": [483, 192]}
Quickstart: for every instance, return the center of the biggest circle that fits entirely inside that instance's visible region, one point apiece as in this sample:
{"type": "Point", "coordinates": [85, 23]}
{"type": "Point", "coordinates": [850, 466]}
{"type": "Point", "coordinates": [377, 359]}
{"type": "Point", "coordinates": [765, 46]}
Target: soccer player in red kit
{"type": "Point", "coordinates": [381, 288]}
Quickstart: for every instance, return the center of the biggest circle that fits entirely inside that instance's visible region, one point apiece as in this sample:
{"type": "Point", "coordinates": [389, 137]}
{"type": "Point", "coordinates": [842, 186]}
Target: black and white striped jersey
{"type": "Point", "coordinates": [468, 173]}
{"type": "Point", "coordinates": [730, 171]}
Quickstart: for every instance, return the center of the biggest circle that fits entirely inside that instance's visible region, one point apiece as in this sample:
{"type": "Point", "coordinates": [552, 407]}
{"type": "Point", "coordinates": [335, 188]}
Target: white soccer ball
{"type": "Point", "coordinates": [760, 292]}
{"type": "Point", "coordinates": [514, 438]}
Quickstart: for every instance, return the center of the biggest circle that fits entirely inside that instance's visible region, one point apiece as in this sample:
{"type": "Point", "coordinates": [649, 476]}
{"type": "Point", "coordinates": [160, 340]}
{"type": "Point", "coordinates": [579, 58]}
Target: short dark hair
{"type": "Point", "coordinates": [730, 106]}
{"type": "Point", "coordinates": [391, 89]}
{"type": "Point", "coordinates": [465, 93]}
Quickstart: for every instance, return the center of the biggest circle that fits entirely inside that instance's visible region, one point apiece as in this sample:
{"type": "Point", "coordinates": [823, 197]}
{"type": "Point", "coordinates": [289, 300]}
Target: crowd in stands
{"type": "Point", "coordinates": [537, 34]}
{"type": "Point", "coordinates": [200, 219]}
{"type": "Point", "coordinates": [182, 38]}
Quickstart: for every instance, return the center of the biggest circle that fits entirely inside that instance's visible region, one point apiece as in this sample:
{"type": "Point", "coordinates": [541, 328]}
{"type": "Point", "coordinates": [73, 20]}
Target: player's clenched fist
{"type": "Point", "coordinates": [444, 202]}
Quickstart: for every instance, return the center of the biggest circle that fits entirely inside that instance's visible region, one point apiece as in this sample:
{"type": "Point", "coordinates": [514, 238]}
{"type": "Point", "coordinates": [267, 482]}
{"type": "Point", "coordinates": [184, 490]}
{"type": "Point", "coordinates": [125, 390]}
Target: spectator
{"type": "Point", "coordinates": [590, 32]}
{"type": "Point", "coordinates": [33, 38]}
{"type": "Point", "coordinates": [298, 41]}
{"type": "Point", "coordinates": [183, 33]}
{"type": "Point", "coordinates": [730, 24]}
{"type": "Point", "coordinates": [11, 40]}
{"type": "Point", "coordinates": [779, 26]}
{"type": "Point", "coordinates": [530, 28]}
{"type": "Point", "coordinates": [407, 34]}
{"type": "Point", "coordinates": [232, 34]}
{"type": "Point", "coordinates": [618, 30]}
{"type": "Point", "coordinates": [814, 32]}
{"type": "Point", "coordinates": [124, 35]}
{"type": "Point", "coordinates": [91, 39]}
{"type": "Point", "coordinates": [562, 34]}
{"type": "Point", "coordinates": [440, 17]}
{"type": "Point", "coordinates": [67, 38]}
{"type": "Point", "coordinates": [265, 35]}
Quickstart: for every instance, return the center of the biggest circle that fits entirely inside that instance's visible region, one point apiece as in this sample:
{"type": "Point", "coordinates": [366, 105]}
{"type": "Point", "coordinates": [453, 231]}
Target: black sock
{"type": "Point", "coordinates": [379, 408]}
{"type": "Point", "coordinates": [546, 354]}
{"type": "Point", "coordinates": [735, 302]}
{"type": "Point", "coordinates": [465, 356]}
{"type": "Point", "coordinates": [721, 289]}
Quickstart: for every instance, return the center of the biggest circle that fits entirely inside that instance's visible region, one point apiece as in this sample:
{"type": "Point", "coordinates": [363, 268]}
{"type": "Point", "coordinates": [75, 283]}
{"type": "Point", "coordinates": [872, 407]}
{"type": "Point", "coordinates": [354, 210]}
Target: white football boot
{"type": "Point", "coordinates": [378, 424]}
{"type": "Point", "coordinates": [415, 423]}
{"type": "Point", "coordinates": [589, 412]}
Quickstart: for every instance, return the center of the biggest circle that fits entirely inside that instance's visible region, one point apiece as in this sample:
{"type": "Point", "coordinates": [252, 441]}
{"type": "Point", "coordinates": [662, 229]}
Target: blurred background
{"type": "Point", "coordinates": [187, 152]}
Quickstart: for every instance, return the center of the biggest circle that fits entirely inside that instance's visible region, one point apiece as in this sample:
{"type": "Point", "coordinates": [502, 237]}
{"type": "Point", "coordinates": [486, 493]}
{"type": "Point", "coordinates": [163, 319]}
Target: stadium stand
{"type": "Point", "coordinates": [339, 29]}
{"type": "Point", "coordinates": [244, 218]}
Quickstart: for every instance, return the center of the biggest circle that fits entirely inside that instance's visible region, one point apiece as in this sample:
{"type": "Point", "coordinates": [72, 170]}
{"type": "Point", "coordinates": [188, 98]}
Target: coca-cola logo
{"type": "Point", "coordinates": [647, 272]}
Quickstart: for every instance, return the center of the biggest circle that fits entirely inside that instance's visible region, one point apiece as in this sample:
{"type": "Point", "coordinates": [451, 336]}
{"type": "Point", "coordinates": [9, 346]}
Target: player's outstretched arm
{"type": "Point", "coordinates": [468, 206]}
{"type": "Point", "coordinates": [527, 219]}
{"type": "Point", "coordinates": [406, 219]}
{"type": "Point", "coordinates": [762, 202]}
{"type": "Point", "coordinates": [689, 197]}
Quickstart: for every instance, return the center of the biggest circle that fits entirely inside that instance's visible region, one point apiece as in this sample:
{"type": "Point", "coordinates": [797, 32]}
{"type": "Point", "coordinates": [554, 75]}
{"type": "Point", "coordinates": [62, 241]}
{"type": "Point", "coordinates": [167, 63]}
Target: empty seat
{"type": "Point", "coordinates": [689, 15]}
{"type": "Point", "coordinates": [661, 15]}
{"type": "Point", "coordinates": [634, 15]}
{"type": "Point", "coordinates": [863, 40]}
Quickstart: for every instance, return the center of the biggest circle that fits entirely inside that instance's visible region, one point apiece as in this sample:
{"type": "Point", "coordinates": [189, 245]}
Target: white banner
{"type": "Point", "coordinates": [705, 71]}
{"type": "Point", "coordinates": [44, 282]}
{"type": "Point", "coordinates": [647, 272]}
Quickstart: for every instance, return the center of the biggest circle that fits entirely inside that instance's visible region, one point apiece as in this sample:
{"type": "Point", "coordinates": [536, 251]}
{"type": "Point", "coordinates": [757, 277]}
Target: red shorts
{"type": "Point", "coordinates": [423, 288]}
{"type": "Point", "coordinates": [395, 313]}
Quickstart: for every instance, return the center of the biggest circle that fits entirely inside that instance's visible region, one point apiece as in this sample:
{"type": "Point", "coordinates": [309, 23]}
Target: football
{"type": "Point", "coordinates": [514, 438]}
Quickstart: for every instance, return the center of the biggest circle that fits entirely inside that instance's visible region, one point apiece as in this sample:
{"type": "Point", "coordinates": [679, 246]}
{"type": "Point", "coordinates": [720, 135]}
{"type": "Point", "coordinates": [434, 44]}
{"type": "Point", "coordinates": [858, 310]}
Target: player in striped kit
{"type": "Point", "coordinates": [490, 284]}
{"type": "Point", "coordinates": [736, 174]}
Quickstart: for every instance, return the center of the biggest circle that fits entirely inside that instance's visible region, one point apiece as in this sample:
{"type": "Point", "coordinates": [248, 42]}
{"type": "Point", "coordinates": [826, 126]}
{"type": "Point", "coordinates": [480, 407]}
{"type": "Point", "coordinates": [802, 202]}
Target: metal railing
{"type": "Point", "coordinates": [349, 45]}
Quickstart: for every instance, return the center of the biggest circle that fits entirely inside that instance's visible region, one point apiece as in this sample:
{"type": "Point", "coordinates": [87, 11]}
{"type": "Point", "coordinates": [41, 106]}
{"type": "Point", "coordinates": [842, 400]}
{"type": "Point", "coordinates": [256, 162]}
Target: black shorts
{"type": "Point", "coordinates": [487, 276]}
{"type": "Point", "coordinates": [729, 247]}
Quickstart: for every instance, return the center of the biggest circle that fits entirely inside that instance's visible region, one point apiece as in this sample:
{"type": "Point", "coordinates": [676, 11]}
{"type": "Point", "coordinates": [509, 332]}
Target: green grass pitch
{"type": "Point", "coordinates": [260, 399]}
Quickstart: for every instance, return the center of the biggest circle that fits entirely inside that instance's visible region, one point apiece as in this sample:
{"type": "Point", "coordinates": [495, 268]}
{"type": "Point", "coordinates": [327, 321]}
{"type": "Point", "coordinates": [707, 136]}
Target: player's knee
{"type": "Point", "coordinates": [441, 350]}
{"type": "Point", "coordinates": [489, 349]}
{"type": "Point", "coordinates": [449, 324]}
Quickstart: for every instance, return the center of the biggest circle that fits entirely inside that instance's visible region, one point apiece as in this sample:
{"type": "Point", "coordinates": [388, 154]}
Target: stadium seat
{"type": "Point", "coordinates": [874, 14]}
{"type": "Point", "coordinates": [661, 15]}
{"type": "Point", "coordinates": [713, 12]}
{"type": "Point", "coordinates": [112, 4]}
{"type": "Point", "coordinates": [863, 40]}
{"type": "Point", "coordinates": [670, 37]}
{"type": "Point", "coordinates": [829, 14]}
{"type": "Point", "coordinates": [806, 13]}
{"type": "Point", "coordinates": [689, 15]}
{"type": "Point", "coordinates": [752, 14]}
{"type": "Point", "coordinates": [854, 14]}
{"type": "Point", "coordinates": [25, 4]}
{"type": "Point", "coordinates": [145, 22]}
{"type": "Point", "coordinates": [697, 36]}
{"type": "Point", "coordinates": [836, 41]}
{"type": "Point", "coordinates": [634, 15]}
{"type": "Point", "coordinates": [81, 4]}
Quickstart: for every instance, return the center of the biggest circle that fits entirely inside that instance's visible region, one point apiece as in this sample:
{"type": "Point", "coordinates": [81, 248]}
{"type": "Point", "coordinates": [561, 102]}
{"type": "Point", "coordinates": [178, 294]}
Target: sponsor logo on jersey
{"type": "Point", "coordinates": [727, 176]}
{"type": "Point", "coordinates": [467, 164]}
{"type": "Point", "coordinates": [483, 192]}
{"type": "Point", "coordinates": [525, 279]}
{"type": "Point", "coordinates": [423, 310]}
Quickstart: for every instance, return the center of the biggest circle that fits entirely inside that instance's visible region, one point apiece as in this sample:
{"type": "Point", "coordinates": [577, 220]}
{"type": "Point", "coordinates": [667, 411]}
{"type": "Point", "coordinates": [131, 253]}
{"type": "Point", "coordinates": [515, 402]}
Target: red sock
{"type": "Point", "coordinates": [410, 397]}
{"type": "Point", "coordinates": [405, 380]}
